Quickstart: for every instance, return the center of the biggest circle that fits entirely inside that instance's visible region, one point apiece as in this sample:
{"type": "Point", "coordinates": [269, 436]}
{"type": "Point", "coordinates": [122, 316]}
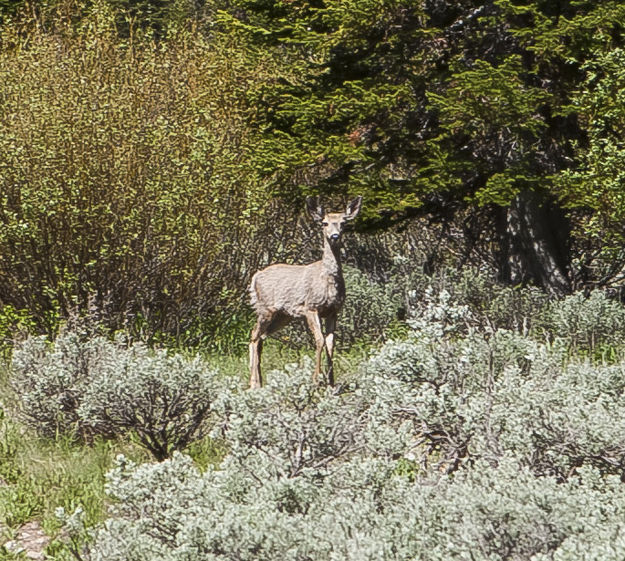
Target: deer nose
{"type": "Point", "coordinates": [334, 237]}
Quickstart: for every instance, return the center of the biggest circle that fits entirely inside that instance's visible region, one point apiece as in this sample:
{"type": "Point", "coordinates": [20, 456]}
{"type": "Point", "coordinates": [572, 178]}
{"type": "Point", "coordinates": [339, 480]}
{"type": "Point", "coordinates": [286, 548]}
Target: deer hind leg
{"type": "Point", "coordinates": [329, 340]}
{"type": "Point", "coordinates": [314, 323]}
{"type": "Point", "coordinates": [256, 349]}
{"type": "Point", "coordinates": [265, 325]}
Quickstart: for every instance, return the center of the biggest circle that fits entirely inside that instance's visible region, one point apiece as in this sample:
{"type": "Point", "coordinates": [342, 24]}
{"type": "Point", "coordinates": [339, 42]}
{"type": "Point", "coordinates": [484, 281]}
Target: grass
{"type": "Point", "coordinates": [277, 353]}
{"type": "Point", "coordinates": [40, 475]}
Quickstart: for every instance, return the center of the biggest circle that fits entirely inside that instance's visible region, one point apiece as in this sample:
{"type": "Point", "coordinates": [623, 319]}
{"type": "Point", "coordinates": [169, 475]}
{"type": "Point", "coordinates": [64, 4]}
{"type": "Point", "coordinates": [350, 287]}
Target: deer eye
{"type": "Point", "coordinates": [324, 223]}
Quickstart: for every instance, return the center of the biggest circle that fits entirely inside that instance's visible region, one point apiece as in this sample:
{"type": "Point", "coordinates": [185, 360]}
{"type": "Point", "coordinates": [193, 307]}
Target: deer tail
{"type": "Point", "coordinates": [253, 293]}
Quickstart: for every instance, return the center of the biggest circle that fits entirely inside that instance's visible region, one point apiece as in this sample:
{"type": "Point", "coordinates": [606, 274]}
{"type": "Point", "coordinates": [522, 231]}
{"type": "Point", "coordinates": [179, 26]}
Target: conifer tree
{"type": "Point", "coordinates": [430, 106]}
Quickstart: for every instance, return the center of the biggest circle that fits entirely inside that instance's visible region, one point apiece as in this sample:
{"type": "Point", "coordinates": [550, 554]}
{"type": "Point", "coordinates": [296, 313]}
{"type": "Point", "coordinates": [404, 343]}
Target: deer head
{"type": "Point", "coordinates": [333, 222]}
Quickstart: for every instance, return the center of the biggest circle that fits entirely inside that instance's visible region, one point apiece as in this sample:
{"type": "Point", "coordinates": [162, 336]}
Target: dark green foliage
{"type": "Point", "coordinates": [597, 183]}
{"type": "Point", "coordinates": [434, 107]}
{"type": "Point", "coordinates": [345, 96]}
{"type": "Point", "coordinates": [10, 7]}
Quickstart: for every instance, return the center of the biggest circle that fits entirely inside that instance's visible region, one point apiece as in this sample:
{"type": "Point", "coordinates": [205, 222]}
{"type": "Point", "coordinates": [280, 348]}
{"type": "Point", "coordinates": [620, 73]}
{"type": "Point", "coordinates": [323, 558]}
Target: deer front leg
{"type": "Point", "coordinates": [314, 323]}
{"type": "Point", "coordinates": [330, 327]}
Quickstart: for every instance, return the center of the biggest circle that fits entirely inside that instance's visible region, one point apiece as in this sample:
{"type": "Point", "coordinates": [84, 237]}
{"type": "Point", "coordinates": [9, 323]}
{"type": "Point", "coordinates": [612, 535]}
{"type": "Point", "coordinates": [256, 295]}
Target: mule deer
{"type": "Point", "coordinates": [280, 293]}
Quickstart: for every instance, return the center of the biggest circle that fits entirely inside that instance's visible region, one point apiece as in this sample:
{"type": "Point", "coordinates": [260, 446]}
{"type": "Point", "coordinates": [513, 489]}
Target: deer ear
{"type": "Point", "coordinates": [353, 208]}
{"type": "Point", "coordinates": [314, 209]}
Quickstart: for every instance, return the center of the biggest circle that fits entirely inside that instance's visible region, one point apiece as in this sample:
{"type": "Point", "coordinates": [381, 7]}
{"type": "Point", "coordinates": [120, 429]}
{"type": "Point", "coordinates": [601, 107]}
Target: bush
{"type": "Point", "coordinates": [303, 427]}
{"type": "Point", "coordinates": [361, 511]}
{"type": "Point", "coordinates": [126, 180]}
{"type": "Point", "coordinates": [488, 304]}
{"type": "Point", "coordinates": [370, 308]}
{"type": "Point", "coordinates": [587, 322]}
{"type": "Point", "coordinates": [463, 440]}
{"type": "Point", "coordinates": [495, 393]}
{"type": "Point", "coordinates": [99, 387]}
{"type": "Point", "coordinates": [51, 380]}
{"type": "Point", "coordinates": [590, 323]}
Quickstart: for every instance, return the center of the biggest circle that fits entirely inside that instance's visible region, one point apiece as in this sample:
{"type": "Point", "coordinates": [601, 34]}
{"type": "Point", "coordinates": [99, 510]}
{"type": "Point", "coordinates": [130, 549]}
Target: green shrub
{"type": "Point", "coordinates": [13, 323]}
{"type": "Point", "coordinates": [126, 182]}
{"type": "Point", "coordinates": [370, 310]}
{"type": "Point", "coordinates": [488, 303]}
{"type": "Point", "coordinates": [101, 387]}
{"type": "Point", "coordinates": [586, 322]}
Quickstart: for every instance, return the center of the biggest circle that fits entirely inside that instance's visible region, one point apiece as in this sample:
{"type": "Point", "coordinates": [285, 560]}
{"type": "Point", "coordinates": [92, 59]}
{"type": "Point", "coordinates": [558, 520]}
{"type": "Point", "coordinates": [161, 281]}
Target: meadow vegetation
{"type": "Point", "coordinates": [487, 426]}
{"type": "Point", "coordinates": [155, 154]}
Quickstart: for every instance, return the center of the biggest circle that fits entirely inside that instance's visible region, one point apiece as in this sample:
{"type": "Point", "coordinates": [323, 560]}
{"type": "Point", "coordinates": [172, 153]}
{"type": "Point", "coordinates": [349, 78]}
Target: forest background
{"type": "Point", "coordinates": [155, 154]}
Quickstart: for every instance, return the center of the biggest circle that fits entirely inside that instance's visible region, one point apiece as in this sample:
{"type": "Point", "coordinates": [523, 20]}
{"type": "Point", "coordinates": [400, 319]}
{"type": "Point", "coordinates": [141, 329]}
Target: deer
{"type": "Point", "coordinates": [280, 293]}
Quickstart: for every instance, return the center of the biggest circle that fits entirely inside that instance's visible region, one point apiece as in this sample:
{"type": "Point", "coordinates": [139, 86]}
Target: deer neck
{"type": "Point", "coordinates": [331, 259]}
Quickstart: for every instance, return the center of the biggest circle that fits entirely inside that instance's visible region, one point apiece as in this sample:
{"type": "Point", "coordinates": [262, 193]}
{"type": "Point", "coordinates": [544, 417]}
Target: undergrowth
{"type": "Point", "coordinates": [476, 429]}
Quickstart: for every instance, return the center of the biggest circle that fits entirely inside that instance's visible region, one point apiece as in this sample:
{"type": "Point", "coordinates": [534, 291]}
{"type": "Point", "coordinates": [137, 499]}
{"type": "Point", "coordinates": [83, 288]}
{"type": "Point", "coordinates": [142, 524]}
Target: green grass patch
{"type": "Point", "coordinates": [39, 475]}
{"type": "Point", "coordinates": [278, 353]}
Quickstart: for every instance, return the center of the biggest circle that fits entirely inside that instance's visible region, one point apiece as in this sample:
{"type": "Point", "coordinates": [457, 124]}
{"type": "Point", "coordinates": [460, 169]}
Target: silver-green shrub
{"type": "Point", "coordinates": [464, 440]}
{"type": "Point", "coordinates": [361, 510]}
{"type": "Point", "coordinates": [454, 443]}
{"type": "Point", "coordinates": [93, 386]}
{"type": "Point", "coordinates": [304, 428]}
{"type": "Point", "coordinates": [165, 400]}
{"type": "Point", "coordinates": [491, 394]}
{"type": "Point", "coordinates": [50, 380]}
{"type": "Point", "coordinates": [489, 303]}
{"type": "Point", "coordinates": [586, 322]}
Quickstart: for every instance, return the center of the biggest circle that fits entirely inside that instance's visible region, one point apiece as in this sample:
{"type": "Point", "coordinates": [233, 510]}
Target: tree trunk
{"type": "Point", "coordinates": [535, 244]}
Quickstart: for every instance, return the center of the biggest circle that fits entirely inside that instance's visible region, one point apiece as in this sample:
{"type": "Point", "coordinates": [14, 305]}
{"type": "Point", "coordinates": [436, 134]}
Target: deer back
{"type": "Point", "coordinates": [296, 289]}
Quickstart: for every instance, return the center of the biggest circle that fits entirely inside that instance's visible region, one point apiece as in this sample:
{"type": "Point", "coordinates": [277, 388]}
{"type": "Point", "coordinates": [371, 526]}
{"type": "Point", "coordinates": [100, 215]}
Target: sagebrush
{"type": "Point", "coordinates": [98, 387]}
{"type": "Point", "coordinates": [460, 440]}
